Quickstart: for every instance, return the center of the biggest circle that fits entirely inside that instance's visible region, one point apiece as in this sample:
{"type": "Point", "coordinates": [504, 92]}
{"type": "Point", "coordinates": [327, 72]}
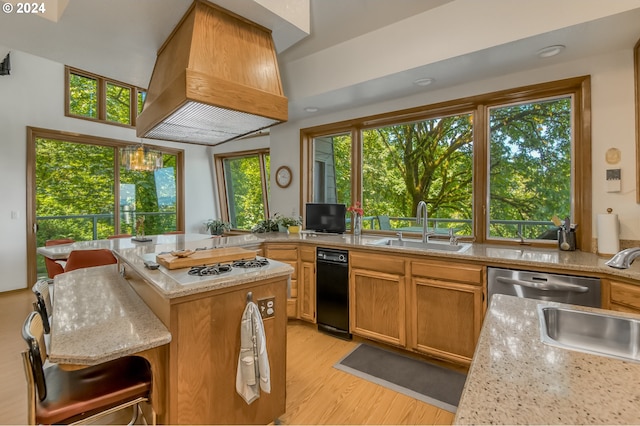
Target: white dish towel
{"type": "Point", "coordinates": [253, 371]}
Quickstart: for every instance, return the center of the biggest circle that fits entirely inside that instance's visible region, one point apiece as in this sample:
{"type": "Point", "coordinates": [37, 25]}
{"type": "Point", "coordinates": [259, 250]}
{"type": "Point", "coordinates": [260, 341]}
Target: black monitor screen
{"type": "Point", "coordinates": [322, 217]}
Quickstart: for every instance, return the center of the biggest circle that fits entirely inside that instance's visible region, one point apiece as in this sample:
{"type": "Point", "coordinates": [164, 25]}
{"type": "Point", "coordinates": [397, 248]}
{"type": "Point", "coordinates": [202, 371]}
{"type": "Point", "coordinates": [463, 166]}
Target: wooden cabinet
{"type": "Point", "coordinates": [307, 284]}
{"type": "Point", "coordinates": [287, 253]}
{"type": "Point", "coordinates": [377, 297]}
{"type": "Point", "coordinates": [446, 309]}
{"type": "Point", "coordinates": [428, 306]}
{"type": "Point", "coordinates": [204, 355]}
{"type": "Point", "coordinates": [623, 297]}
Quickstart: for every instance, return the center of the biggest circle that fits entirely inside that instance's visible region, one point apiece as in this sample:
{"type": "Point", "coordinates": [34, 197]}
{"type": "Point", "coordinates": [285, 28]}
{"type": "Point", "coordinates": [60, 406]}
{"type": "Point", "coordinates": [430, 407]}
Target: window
{"type": "Point", "coordinates": [332, 169]}
{"type": "Point", "coordinates": [430, 160]}
{"type": "Point", "coordinates": [118, 103]}
{"type": "Point", "coordinates": [81, 192]}
{"type": "Point", "coordinates": [494, 168]}
{"type": "Point", "coordinates": [529, 161]}
{"type": "Point", "coordinates": [243, 187]}
{"type": "Point", "coordinates": [93, 97]}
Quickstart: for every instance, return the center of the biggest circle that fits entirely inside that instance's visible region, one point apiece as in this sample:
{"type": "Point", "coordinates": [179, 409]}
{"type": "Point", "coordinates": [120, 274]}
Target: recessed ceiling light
{"type": "Point", "coordinates": [549, 51]}
{"type": "Point", "coordinates": [423, 81]}
{"type": "Point", "coordinates": [311, 109]}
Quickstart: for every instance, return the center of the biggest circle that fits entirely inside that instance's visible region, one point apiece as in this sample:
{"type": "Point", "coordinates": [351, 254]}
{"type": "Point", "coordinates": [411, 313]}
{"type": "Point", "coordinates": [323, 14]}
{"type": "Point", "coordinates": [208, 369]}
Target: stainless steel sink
{"type": "Point", "coordinates": [431, 245]}
{"type": "Point", "coordinates": [590, 332]}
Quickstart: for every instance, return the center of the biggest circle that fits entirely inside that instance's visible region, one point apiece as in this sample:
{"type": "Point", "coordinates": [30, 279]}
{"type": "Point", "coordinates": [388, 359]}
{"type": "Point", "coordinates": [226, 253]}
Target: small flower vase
{"type": "Point", "coordinates": [357, 224]}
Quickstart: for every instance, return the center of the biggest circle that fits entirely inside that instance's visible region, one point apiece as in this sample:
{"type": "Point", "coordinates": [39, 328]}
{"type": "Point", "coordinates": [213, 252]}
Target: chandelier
{"type": "Point", "coordinates": [140, 158]}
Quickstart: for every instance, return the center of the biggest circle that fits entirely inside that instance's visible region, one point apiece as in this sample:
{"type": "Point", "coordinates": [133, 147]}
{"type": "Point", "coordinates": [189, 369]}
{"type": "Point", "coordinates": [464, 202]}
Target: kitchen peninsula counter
{"type": "Point", "coordinates": [97, 317]}
{"type": "Point", "coordinates": [516, 379]}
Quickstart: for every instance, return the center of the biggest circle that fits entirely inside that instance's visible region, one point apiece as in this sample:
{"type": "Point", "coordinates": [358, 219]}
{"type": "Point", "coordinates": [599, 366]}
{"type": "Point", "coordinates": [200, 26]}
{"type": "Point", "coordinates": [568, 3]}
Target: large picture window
{"type": "Point", "coordinates": [529, 168]}
{"type": "Point", "coordinates": [428, 160]}
{"type": "Point", "coordinates": [500, 167]}
{"type": "Point", "coordinates": [81, 192]}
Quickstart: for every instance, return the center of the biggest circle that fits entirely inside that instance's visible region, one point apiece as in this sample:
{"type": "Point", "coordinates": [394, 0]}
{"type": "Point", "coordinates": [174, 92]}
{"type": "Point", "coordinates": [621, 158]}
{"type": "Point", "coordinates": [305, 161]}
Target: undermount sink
{"type": "Point", "coordinates": [431, 245]}
{"type": "Point", "coordinates": [590, 332]}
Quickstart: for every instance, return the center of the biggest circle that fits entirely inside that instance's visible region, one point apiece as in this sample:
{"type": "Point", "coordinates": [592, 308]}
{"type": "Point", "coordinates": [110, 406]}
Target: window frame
{"type": "Point", "coordinates": [101, 83]}
{"type": "Point", "coordinates": [577, 87]}
{"type": "Point", "coordinates": [222, 181]}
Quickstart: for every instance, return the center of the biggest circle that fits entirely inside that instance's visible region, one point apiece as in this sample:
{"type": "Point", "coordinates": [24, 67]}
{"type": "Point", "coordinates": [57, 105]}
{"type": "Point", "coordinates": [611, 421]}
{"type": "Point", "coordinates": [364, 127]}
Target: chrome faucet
{"type": "Point", "coordinates": [453, 240]}
{"type": "Point", "coordinates": [624, 258]}
{"type": "Point", "coordinates": [422, 214]}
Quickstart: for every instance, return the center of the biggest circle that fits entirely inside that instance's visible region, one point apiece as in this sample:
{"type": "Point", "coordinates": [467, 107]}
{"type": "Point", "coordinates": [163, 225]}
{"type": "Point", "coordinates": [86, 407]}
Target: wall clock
{"type": "Point", "coordinates": [283, 176]}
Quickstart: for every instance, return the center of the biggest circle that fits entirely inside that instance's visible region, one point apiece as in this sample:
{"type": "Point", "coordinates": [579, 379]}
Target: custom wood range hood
{"type": "Point", "coordinates": [216, 78]}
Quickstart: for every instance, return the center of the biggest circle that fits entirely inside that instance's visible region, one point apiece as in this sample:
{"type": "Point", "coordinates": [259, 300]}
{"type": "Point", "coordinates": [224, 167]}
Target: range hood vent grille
{"type": "Point", "coordinates": [216, 79]}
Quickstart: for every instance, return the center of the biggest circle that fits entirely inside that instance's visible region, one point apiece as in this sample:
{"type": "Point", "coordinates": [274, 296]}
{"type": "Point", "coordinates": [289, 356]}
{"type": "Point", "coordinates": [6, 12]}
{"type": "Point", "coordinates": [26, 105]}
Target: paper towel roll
{"type": "Point", "coordinates": [608, 238]}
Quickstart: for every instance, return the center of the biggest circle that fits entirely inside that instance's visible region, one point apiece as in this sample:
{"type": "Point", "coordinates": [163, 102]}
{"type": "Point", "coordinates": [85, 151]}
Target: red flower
{"type": "Point", "coordinates": [357, 209]}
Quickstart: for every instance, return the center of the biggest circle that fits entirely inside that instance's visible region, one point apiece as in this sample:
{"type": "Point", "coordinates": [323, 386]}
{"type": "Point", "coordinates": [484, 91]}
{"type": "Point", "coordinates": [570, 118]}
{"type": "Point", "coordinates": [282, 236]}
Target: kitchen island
{"type": "Point", "coordinates": [187, 326]}
{"type": "Point", "coordinates": [516, 379]}
{"type": "Point", "coordinates": [203, 315]}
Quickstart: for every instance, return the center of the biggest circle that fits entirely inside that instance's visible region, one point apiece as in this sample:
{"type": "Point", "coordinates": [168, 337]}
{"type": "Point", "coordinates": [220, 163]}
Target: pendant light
{"type": "Point", "coordinates": [140, 158]}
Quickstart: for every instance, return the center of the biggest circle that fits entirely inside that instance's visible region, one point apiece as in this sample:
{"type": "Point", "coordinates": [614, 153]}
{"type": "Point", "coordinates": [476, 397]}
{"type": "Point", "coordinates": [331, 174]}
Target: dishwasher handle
{"type": "Point", "coordinates": [545, 286]}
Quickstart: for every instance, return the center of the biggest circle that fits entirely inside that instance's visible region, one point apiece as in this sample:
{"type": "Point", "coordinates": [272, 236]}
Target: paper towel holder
{"type": "Point", "coordinates": [608, 234]}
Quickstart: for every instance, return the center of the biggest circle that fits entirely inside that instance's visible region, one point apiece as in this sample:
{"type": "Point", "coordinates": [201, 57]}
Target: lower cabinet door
{"type": "Point", "coordinates": [307, 291]}
{"type": "Point", "coordinates": [377, 305]}
{"type": "Point", "coordinates": [445, 318]}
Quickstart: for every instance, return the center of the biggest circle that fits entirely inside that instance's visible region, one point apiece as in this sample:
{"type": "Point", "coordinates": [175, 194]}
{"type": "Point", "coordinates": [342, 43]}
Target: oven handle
{"type": "Point", "coordinates": [546, 286]}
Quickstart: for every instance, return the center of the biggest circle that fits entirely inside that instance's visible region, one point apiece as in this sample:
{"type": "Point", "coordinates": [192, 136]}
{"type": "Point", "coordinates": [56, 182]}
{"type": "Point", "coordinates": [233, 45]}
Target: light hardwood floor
{"type": "Point", "coordinates": [317, 393]}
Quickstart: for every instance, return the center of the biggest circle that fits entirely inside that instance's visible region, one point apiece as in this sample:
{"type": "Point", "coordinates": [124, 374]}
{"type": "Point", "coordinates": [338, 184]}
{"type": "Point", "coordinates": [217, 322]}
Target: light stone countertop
{"type": "Point", "coordinates": [163, 242]}
{"type": "Point", "coordinates": [98, 317]}
{"type": "Point", "coordinates": [177, 283]}
{"type": "Point", "coordinates": [516, 379]}
{"type": "Point", "coordinates": [518, 257]}
{"type": "Point", "coordinates": [508, 256]}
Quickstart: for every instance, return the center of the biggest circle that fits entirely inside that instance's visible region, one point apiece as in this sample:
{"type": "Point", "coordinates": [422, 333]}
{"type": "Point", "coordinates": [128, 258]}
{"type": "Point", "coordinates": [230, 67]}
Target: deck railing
{"type": "Point", "coordinates": [95, 221]}
{"type": "Point", "coordinates": [525, 228]}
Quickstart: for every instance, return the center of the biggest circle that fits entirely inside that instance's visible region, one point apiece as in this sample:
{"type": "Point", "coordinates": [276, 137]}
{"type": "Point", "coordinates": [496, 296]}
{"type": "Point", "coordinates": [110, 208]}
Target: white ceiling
{"type": "Point", "coordinates": [119, 39]}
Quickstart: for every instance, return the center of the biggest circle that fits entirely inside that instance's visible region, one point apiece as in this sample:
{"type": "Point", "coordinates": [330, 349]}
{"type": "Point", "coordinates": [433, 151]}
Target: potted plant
{"type": "Point", "coordinates": [217, 227]}
{"type": "Point", "coordinates": [290, 223]}
{"type": "Point", "coordinates": [266, 225]}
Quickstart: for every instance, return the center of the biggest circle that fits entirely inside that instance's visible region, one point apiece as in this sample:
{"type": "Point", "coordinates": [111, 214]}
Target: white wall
{"type": "Point", "coordinates": [33, 95]}
{"type": "Point", "coordinates": [613, 125]}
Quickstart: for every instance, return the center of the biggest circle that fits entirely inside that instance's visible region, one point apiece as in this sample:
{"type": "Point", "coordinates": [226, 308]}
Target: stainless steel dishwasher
{"type": "Point", "coordinates": [570, 289]}
{"type": "Point", "coordinates": [332, 291]}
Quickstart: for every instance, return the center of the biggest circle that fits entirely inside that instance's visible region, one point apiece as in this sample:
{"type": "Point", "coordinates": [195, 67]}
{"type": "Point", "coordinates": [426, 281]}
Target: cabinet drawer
{"type": "Point", "coordinates": [377, 262]}
{"type": "Point", "coordinates": [460, 272]}
{"type": "Point", "coordinates": [308, 254]}
{"type": "Point", "coordinates": [282, 252]}
{"type": "Point", "coordinates": [625, 294]}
